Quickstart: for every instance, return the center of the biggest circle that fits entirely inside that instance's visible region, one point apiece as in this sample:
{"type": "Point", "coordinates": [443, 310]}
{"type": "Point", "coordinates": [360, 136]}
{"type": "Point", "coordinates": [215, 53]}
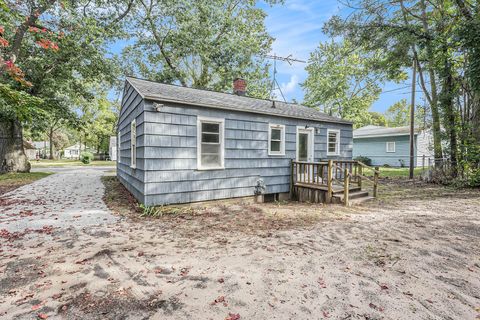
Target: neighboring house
{"type": "Point", "coordinates": [30, 150]}
{"type": "Point", "coordinates": [112, 150]}
{"type": "Point", "coordinates": [180, 145]}
{"type": "Point", "coordinates": [73, 152]}
{"type": "Point", "coordinates": [43, 148]}
{"type": "Point", "coordinates": [391, 146]}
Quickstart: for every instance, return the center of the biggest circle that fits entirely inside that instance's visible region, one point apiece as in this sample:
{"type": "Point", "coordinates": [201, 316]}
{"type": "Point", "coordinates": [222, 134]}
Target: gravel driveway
{"type": "Point", "coordinates": [72, 197]}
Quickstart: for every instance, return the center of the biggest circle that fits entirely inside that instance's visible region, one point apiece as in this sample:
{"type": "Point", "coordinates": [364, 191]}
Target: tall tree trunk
{"type": "Point", "coordinates": [12, 154]}
{"type": "Point", "coordinates": [50, 139]}
{"type": "Point", "coordinates": [446, 102]}
{"type": "Point", "coordinates": [437, 134]}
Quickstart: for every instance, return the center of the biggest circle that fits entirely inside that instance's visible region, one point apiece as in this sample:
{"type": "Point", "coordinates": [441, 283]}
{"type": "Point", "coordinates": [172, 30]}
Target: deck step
{"type": "Point", "coordinates": [357, 201]}
{"type": "Point", "coordinates": [357, 194]}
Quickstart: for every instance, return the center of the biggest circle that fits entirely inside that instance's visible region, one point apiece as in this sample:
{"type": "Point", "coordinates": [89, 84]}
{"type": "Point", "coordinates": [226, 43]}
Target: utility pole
{"type": "Point", "coordinates": [275, 84]}
{"type": "Point", "coordinates": [412, 120]}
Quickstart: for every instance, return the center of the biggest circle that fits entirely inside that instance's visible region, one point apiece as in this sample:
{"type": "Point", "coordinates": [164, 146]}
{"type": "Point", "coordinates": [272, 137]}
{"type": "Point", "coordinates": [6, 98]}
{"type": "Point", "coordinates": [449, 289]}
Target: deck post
{"type": "Point", "coordinates": [360, 172]}
{"type": "Point", "coordinates": [291, 179]}
{"type": "Point", "coordinates": [375, 182]}
{"type": "Point", "coordinates": [346, 188]}
{"type": "Point", "coordinates": [330, 181]}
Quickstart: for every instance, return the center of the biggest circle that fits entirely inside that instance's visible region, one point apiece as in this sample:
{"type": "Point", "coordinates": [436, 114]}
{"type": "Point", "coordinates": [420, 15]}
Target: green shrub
{"type": "Point", "coordinates": [365, 160]}
{"type": "Point", "coordinates": [86, 157]}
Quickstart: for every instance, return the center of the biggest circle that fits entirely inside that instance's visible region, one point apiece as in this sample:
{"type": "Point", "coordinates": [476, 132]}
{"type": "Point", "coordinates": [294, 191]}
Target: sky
{"type": "Point", "coordinates": [297, 29]}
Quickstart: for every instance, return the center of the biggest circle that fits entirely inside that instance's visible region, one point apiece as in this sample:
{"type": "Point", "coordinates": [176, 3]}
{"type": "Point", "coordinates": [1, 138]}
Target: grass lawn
{"type": "Point", "coordinates": [68, 163]}
{"type": "Point", "coordinates": [395, 172]}
{"type": "Point", "coordinates": [12, 181]}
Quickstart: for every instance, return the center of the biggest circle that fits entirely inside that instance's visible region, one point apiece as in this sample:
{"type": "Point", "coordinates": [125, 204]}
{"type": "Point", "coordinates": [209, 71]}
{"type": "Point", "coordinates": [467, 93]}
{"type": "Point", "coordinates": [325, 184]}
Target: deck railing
{"type": "Point", "coordinates": [340, 173]}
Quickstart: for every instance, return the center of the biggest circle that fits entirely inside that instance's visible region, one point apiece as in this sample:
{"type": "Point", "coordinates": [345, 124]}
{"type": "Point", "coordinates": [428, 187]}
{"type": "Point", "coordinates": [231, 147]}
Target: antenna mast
{"type": "Point", "coordinates": [275, 84]}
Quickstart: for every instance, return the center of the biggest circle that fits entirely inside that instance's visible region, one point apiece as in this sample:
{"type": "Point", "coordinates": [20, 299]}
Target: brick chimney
{"type": "Point", "coordinates": [239, 86]}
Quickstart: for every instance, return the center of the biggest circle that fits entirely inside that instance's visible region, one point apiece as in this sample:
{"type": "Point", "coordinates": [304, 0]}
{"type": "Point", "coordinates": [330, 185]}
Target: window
{"type": "Point", "coordinates": [391, 146]}
{"type": "Point", "coordinates": [133, 144]}
{"type": "Point", "coordinates": [276, 139]}
{"type": "Point", "coordinates": [118, 146]}
{"type": "Point", "coordinates": [333, 147]}
{"type": "Point", "coordinates": [210, 153]}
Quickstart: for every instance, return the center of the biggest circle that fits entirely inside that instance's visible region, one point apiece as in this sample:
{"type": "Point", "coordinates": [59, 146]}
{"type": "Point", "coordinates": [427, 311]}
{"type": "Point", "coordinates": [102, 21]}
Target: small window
{"type": "Point", "coordinates": [118, 146]}
{"type": "Point", "coordinates": [391, 147]}
{"type": "Point", "coordinates": [210, 153]}
{"type": "Point", "coordinates": [133, 144]}
{"type": "Point", "coordinates": [333, 147]}
{"type": "Point", "coordinates": [276, 139]}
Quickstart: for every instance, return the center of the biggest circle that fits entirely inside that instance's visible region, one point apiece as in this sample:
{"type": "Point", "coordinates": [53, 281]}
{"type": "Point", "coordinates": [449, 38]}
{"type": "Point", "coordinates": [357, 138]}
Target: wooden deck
{"type": "Point", "coordinates": [331, 181]}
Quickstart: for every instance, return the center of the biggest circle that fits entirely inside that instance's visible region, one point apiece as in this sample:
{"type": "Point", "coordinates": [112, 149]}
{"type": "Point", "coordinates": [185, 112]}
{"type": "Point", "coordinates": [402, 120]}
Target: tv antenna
{"type": "Point", "coordinates": [275, 84]}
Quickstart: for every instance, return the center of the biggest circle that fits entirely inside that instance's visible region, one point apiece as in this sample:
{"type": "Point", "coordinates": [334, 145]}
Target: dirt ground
{"type": "Point", "coordinates": [412, 254]}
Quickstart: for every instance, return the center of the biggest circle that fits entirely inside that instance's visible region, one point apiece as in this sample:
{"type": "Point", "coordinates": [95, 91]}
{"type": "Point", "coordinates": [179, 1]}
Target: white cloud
{"type": "Point", "coordinates": [291, 85]}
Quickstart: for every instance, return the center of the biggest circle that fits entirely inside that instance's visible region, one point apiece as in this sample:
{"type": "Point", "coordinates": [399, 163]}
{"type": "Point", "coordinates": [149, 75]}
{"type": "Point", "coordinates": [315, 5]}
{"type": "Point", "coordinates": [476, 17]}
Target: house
{"type": "Point", "coordinates": [181, 145]}
{"type": "Point", "coordinates": [112, 149]}
{"type": "Point", "coordinates": [30, 150]}
{"type": "Point", "coordinates": [73, 152]}
{"type": "Point", "coordinates": [391, 146]}
{"type": "Point", "coordinates": [43, 148]}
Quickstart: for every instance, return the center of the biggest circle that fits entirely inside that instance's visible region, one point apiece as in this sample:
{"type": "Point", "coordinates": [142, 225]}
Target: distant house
{"type": "Point", "coordinates": [73, 152]}
{"type": "Point", "coordinates": [30, 150]}
{"type": "Point", "coordinates": [181, 145]}
{"type": "Point", "coordinates": [43, 148]}
{"type": "Point", "coordinates": [112, 150]}
{"type": "Point", "coordinates": [391, 146]}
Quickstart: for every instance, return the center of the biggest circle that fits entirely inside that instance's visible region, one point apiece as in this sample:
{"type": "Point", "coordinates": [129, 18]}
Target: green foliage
{"type": "Point", "coordinates": [341, 81]}
{"type": "Point", "coordinates": [86, 157]}
{"type": "Point", "coordinates": [378, 119]}
{"type": "Point", "coordinates": [398, 114]}
{"type": "Point", "coordinates": [365, 160]}
{"type": "Point", "coordinates": [202, 44]}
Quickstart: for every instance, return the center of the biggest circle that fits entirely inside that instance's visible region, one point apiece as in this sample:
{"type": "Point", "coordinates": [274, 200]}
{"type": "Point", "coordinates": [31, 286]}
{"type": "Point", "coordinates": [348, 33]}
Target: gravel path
{"type": "Point", "coordinates": [72, 197]}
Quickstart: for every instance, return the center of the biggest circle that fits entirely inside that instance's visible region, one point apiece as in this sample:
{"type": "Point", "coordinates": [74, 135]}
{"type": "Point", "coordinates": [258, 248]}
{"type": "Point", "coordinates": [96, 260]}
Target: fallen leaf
{"type": "Point", "coordinates": [233, 316]}
{"type": "Point", "coordinates": [42, 316]}
{"type": "Point", "coordinates": [37, 306]}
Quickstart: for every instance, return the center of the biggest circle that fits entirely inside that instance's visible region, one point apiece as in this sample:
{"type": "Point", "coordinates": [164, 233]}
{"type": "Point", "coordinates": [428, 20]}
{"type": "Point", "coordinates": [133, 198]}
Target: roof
{"type": "Point", "coordinates": [28, 145]}
{"type": "Point", "coordinates": [204, 98]}
{"type": "Point", "coordinates": [378, 131]}
{"type": "Point", "coordinates": [41, 144]}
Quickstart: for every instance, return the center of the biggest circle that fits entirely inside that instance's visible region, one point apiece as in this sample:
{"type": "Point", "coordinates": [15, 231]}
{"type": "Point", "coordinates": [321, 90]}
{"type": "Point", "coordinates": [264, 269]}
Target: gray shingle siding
{"type": "Point", "coordinates": [132, 108]}
{"type": "Point", "coordinates": [167, 152]}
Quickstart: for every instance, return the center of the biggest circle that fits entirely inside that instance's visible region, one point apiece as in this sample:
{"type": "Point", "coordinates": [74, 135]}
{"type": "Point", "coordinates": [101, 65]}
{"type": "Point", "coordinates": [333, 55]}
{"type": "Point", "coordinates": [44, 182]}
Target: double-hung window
{"type": "Point", "coordinates": [210, 148]}
{"type": "Point", "coordinates": [333, 146]}
{"type": "Point", "coordinates": [276, 140]}
{"type": "Point", "coordinates": [133, 144]}
{"type": "Point", "coordinates": [391, 147]}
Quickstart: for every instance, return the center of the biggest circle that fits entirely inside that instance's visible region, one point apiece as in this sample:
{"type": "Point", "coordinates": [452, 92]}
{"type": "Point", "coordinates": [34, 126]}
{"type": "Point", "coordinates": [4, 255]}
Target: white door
{"type": "Point", "coordinates": [305, 141]}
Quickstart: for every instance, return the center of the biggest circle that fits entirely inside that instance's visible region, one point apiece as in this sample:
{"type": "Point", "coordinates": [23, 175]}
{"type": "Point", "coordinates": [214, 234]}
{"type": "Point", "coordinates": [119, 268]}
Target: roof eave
{"type": "Point", "coordinates": [159, 99]}
{"type": "Point", "coordinates": [382, 135]}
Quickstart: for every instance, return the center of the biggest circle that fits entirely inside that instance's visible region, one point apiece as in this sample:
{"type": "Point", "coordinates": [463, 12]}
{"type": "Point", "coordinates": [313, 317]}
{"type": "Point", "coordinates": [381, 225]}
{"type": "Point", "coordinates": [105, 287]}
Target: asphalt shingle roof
{"type": "Point", "coordinates": [171, 93]}
{"type": "Point", "coordinates": [378, 131]}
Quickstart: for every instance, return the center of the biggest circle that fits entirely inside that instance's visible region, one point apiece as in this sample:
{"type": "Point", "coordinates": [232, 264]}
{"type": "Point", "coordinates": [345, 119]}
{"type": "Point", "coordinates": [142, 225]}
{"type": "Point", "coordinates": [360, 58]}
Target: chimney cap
{"type": "Point", "coordinates": [239, 86]}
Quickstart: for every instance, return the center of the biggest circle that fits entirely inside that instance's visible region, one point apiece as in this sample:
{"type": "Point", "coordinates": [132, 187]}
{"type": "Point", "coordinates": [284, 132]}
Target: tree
{"type": "Point", "coordinates": [398, 114]}
{"type": "Point", "coordinates": [341, 81]}
{"type": "Point", "coordinates": [378, 119]}
{"type": "Point", "coordinates": [62, 45]}
{"type": "Point", "coordinates": [99, 120]}
{"type": "Point", "coordinates": [203, 44]}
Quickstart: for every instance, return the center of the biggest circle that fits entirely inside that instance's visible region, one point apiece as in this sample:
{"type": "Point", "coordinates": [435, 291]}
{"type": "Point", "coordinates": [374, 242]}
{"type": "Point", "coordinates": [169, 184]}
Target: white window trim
{"type": "Point", "coordinates": [282, 139]}
{"type": "Point", "coordinates": [133, 144]}
{"type": "Point", "coordinates": [221, 121]}
{"type": "Point", "coordinates": [311, 142]}
{"type": "Point", "coordinates": [337, 151]}
{"type": "Point", "coordinates": [386, 146]}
